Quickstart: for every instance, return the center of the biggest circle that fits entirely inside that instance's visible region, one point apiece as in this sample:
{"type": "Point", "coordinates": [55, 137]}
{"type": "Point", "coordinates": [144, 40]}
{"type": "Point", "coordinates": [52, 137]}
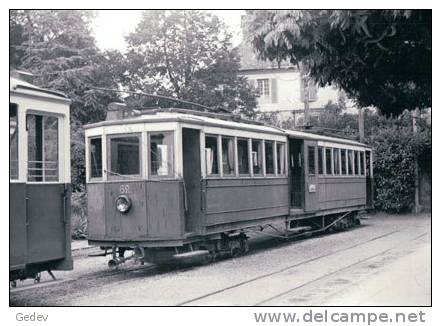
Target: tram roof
{"type": "Point", "coordinates": [19, 86]}
{"type": "Point", "coordinates": [203, 119]}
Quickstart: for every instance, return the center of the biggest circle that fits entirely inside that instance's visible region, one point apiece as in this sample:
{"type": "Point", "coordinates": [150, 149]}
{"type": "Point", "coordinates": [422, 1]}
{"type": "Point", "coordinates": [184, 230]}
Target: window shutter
{"type": "Point", "coordinates": [273, 90]}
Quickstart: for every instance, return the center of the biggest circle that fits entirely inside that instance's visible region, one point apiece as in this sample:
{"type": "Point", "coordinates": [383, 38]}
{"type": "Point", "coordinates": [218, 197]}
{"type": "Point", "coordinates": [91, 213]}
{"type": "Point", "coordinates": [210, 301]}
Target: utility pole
{"type": "Point", "coordinates": [361, 124]}
{"type": "Point", "coordinates": [415, 115]}
{"type": "Point", "coordinates": [305, 78]}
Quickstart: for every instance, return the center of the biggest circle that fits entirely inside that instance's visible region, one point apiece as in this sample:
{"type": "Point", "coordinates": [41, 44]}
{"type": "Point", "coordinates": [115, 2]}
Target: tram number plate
{"type": "Point", "coordinates": [124, 189]}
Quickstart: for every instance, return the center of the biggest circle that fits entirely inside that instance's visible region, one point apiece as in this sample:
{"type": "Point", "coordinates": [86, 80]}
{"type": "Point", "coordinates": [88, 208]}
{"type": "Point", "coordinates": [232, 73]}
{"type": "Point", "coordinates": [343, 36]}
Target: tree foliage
{"type": "Point", "coordinates": [380, 58]}
{"type": "Point", "coordinates": [187, 55]}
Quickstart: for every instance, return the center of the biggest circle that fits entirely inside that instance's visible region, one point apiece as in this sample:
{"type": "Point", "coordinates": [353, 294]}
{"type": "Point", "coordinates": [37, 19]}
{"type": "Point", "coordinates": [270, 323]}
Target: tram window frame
{"type": "Point", "coordinates": [91, 167]}
{"type": "Point", "coordinates": [14, 143]}
{"type": "Point", "coordinates": [269, 156]}
{"type": "Point", "coordinates": [169, 136]}
{"type": "Point", "coordinates": [111, 173]}
{"type": "Point", "coordinates": [356, 163]}
{"type": "Point", "coordinates": [336, 160]}
{"type": "Point", "coordinates": [258, 157]}
{"type": "Point", "coordinates": [246, 155]}
{"type": "Point", "coordinates": [344, 161]}
{"type": "Point", "coordinates": [362, 164]}
{"type": "Point", "coordinates": [320, 160]}
{"type": "Point", "coordinates": [311, 162]}
{"type": "Point", "coordinates": [41, 144]}
{"type": "Point", "coordinates": [328, 167]}
{"type": "Point", "coordinates": [230, 155]}
{"type": "Point", "coordinates": [281, 158]}
{"type": "Point", "coordinates": [215, 168]}
{"type": "Point", "coordinates": [350, 162]}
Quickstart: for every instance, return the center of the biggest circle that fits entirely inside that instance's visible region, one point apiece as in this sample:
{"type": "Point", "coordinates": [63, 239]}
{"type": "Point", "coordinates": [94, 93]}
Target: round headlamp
{"type": "Point", "coordinates": [123, 204]}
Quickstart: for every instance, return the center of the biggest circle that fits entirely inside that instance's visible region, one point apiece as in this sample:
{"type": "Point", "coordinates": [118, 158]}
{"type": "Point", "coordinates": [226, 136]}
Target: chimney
{"type": "Point", "coordinates": [22, 75]}
{"type": "Point", "coordinates": [115, 111]}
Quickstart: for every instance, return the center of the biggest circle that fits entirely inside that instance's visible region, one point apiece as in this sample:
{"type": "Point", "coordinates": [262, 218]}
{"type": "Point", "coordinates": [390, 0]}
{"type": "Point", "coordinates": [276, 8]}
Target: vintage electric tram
{"type": "Point", "coordinates": [39, 187]}
{"type": "Point", "coordinates": [176, 185]}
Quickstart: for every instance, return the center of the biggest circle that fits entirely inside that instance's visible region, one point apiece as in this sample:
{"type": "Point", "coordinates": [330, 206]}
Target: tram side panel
{"type": "Point", "coordinates": [338, 192]}
{"type": "Point", "coordinates": [235, 203]}
{"type": "Point", "coordinates": [17, 225]}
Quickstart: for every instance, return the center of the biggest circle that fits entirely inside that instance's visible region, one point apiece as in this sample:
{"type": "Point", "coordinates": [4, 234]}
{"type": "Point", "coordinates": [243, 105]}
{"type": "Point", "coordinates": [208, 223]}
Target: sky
{"type": "Point", "coordinates": [111, 26]}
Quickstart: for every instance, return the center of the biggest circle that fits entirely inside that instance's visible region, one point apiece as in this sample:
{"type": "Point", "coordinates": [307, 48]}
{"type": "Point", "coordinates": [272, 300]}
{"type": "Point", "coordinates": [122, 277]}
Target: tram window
{"type": "Point", "coordinates": [257, 155]}
{"type": "Point", "coordinates": [211, 155]}
{"type": "Point", "coordinates": [280, 159]}
{"type": "Point", "coordinates": [336, 161]}
{"type": "Point", "coordinates": [328, 161]}
{"type": "Point", "coordinates": [96, 158]}
{"type": "Point", "coordinates": [343, 161]}
{"type": "Point", "coordinates": [161, 154]}
{"type": "Point", "coordinates": [356, 163]}
{"type": "Point", "coordinates": [311, 160]}
{"type": "Point", "coordinates": [320, 160]}
{"type": "Point", "coordinates": [350, 162]}
{"type": "Point", "coordinates": [269, 157]}
{"type": "Point", "coordinates": [42, 147]}
{"type": "Point", "coordinates": [228, 155]}
{"type": "Point", "coordinates": [124, 156]}
{"type": "Point", "coordinates": [368, 164]}
{"type": "Point", "coordinates": [362, 167]}
{"type": "Point", "coordinates": [242, 156]}
{"type": "Point", "coordinates": [13, 142]}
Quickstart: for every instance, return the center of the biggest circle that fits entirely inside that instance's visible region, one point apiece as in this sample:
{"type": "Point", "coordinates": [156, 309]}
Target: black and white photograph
{"type": "Point", "coordinates": [219, 158]}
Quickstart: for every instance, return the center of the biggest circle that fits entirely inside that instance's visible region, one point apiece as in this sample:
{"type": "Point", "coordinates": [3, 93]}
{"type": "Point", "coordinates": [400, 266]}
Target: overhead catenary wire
{"type": "Point", "coordinates": [161, 97]}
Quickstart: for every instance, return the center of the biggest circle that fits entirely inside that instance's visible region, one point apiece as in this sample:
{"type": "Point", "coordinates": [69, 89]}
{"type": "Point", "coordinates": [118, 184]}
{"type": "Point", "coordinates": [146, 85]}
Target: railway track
{"type": "Point", "coordinates": [200, 299]}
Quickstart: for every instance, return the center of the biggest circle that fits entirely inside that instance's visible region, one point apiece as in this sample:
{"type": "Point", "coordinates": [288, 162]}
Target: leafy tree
{"type": "Point", "coordinates": [187, 55]}
{"type": "Point", "coordinates": [58, 48]}
{"type": "Point", "coordinates": [380, 58]}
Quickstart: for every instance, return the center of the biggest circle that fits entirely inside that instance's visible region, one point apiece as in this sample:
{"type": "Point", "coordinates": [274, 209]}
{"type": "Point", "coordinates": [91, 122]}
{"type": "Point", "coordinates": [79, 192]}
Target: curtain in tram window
{"type": "Point", "coordinates": [231, 155]}
{"type": "Point", "coordinates": [209, 160]}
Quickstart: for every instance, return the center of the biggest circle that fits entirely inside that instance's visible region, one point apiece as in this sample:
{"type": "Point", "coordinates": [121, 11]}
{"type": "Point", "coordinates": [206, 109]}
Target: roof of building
{"type": "Point", "coordinates": [250, 61]}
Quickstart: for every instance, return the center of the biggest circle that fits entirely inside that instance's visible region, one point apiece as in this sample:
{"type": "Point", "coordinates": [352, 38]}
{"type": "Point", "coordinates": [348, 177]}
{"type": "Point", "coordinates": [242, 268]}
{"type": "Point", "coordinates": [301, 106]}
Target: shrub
{"type": "Point", "coordinates": [79, 214]}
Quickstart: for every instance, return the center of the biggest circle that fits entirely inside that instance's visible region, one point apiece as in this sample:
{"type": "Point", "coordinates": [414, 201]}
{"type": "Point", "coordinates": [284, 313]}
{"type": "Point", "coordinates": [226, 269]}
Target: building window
{"type": "Point", "coordinates": [42, 147]}
{"type": "Point", "coordinates": [269, 157]}
{"type": "Point", "coordinates": [211, 158]}
{"type": "Point", "coordinates": [263, 87]}
{"type": "Point", "coordinates": [162, 154]}
{"type": "Point", "coordinates": [96, 158]}
{"type": "Point", "coordinates": [228, 156]}
{"type": "Point", "coordinates": [328, 161]}
{"type": "Point", "coordinates": [13, 142]}
{"type": "Point", "coordinates": [311, 160]}
{"type": "Point", "coordinates": [124, 156]}
{"type": "Point", "coordinates": [343, 161]}
{"type": "Point", "coordinates": [350, 162]}
{"type": "Point", "coordinates": [257, 156]}
{"type": "Point", "coordinates": [242, 156]}
{"type": "Point", "coordinates": [336, 161]}
{"type": "Point", "coordinates": [280, 159]}
{"type": "Point", "coordinates": [320, 160]}
{"type": "Point", "coordinates": [362, 167]}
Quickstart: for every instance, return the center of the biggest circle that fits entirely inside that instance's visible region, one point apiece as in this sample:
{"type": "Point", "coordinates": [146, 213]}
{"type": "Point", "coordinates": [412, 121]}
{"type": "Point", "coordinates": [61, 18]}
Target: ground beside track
{"type": "Point", "coordinates": [386, 261]}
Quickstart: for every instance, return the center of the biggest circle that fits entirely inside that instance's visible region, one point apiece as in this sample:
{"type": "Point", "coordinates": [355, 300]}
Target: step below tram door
{"type": "Point", "coordinates": [296, 173]}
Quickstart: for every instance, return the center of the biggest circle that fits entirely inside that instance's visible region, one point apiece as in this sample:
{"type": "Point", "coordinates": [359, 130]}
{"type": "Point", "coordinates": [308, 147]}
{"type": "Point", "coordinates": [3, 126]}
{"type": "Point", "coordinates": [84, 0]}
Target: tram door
{"type": "Point", "coordinates": [311, 186]}
{"type": "Point", "coordinates": [369, 181]}
{"type": "Point", "coordinates": [296, 167]}
{"type": "Point", "coordinates": [192, 178]}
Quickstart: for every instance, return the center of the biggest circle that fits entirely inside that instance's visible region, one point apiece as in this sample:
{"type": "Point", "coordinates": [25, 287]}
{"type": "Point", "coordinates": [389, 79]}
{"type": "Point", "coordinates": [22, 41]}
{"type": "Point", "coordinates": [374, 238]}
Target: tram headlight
{"type": "Point", "coordinates": [123, 204]}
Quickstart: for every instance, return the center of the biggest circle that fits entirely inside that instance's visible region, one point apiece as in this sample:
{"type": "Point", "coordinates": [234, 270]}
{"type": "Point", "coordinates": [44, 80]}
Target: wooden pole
{"type": "Point", "coordinates": [417, 209]}
{"type": "Point", "coordinates": [361, 124]}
